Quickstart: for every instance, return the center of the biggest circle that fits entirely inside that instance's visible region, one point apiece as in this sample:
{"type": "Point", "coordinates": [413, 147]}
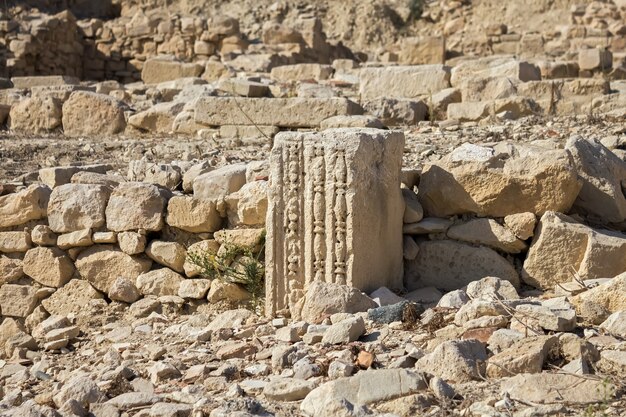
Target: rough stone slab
{"type": "Point", "coordinates": [335, 212]}
{"type": "Point", "coordinates": [43, 81]}
{"type": "Point", "coordinates": [281, 112]}
{"type": "Point", "coordinates": [364, 388]}
{"type": "Point", "coordinates": [562, 246]}
{"type": "Point", "coordinates": [403, 81]}
{"type": "Point", "coordinates": [546, 388]}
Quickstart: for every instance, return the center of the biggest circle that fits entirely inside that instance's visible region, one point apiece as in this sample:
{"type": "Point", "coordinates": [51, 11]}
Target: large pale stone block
{"type": "Point", "coordinates": [282, 112]}
{"type": "Point", "coordinates": [561, 248]}
{"type": "Point", "coordinates": [335, 212]}
{"type": "Point", "coordinates": [403, 81]}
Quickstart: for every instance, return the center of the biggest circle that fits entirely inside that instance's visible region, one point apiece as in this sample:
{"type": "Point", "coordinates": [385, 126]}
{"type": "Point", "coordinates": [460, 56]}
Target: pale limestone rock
{"type": "Point", "coordinates": [48, 266]}
{"type": "Point", "coordinates": [561, 247]}
{"type": "Point", "coordinates": [499, 181]}
{"type": "Point", "coordinates": [160, 69]}
{"type": "Point", "coordinates": [124, 290]}
{"type": "Point", "coordinates": [87, 113]}
{"type": "Point", "coordinates": [346, 331]}
{"type": "Point", "coordinates": [301, 72]}
{"type": "Point", "coordinates": [495, 66]}
{"type": "Point", "coordinates": [384, 297]}
{"type": "Point", "coordinates": [79, 238]}
{"type": "Point", "coordinates": [21, 207]}
{"type": "Point", "coordinates": [522, 224]}
{"type": "Point", "coordinates": [321, 187]}
{"type": "Point", "coordinates": [201, 249]}
{"type": "Point", "coordinates": [615, 324]}
{"type": "Point", "coordinates": [77, 206]}
{"type": "Point", "coordinates": [190, 175]}
{"type": "Point", "coordinates": [36, 115]}
{"type": "Point", "coordinates": [549, 388]}
{"type": "Point", "coordinates": [101, 265]}
{"type": "Point", "coordinates": [165, 175]}
{"type": "Point", "coordinates": [132, 243]}
{"type": "Point", "coordinates": [248, 206]}
{"type": "Point", "coordinates": [451, 265]}
{"type": "Point", "coordinates": [10, 270]}
{"type": "Point", "coordinates": [323, 299]}
{"type": "Point", "coordinates": [595, 59]}
{"type": "Point", "coordinates": [403, 81]}
{"type": "Point", "coordinates": [71, 298]}
{"type": "Point", "coordinates": [413, 211]}
{"type": "Point", "coordinates": [9, 328]}
{"type": "Point", "coordinates": [602, 174]}
{"type": "Point", "coordinates": [222, 290]}
{"type": "Point", "coordinates": [351, 121]}
{"type": "Point", "coordinates": [281, 112]}
{"type": "Point", "coordinates": [82, 389]}
{"type": "Point", "coordinates": [220, 182]}
{"type": "Point", "coordinates": [194, 288]}
{"type": "Point", "coordinates": [455, 361]}
{"type": "Point", "coordinates": [56, 176]}
{"type": "Point", "coordinates": [159, 282]}
{"type": "Point", "coordinates": [358, 389]}
{"type": "Point", "coordinates": [244, 88]}
{"type": "Point", "coordinates": [487, 232]}
{"type": "Point", "coordinates": [610, 296]}
{"type": "Point", "coordinates": [158, 118]}
{"type": "Point", "coordinates": [524, 356]}
{"type": "Point", "coordinates": [288, 389]}
{"type": "Point", "coordinates": [397, 112]}
{"type": "Point", "coordinates": [134, 206]}
{"type": "Point", "coordinates": [15, 242]}
{"type": "Point", "coordinates": [17, 300]}
{"type": "Point", "coordinates": [170, 254]}
{"type": "Point", "coordinates": [104, 237]}
{"type": "Point", "coordinates": [427, 226]}
{"type": "Point", "coordinates": [193, 215]}
{"type": "Point", "coordinates": [420, 50]}
{"type": "Point", "coordinates": [246, 238]}
{"type": "Point", "coordinates": [490, 288]}
{"type": "Point", "coordinates": [42, 235]}
{"type": "Point", "coordinates": [469, 111]}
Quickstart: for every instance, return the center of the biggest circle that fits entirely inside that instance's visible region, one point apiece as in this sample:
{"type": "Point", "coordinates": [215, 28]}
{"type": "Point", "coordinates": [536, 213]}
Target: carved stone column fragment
{"type": "Point", "coordinates": [335, 212]}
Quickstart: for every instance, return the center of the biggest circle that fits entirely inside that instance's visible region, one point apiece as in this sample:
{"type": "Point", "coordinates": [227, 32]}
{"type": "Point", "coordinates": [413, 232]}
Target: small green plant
{"type": "Point", "coordinates": [416, 8]}
{"type": "Point", "coordinates": [235, 264]}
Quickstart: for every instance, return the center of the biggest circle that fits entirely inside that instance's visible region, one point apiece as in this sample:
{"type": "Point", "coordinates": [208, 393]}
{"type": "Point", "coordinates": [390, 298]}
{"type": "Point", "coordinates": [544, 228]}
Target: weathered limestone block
{"type": "Point", "coordinates": [79, 238]}
{"type": "Point", "coordinates": [301, 72]}
{"type": "Point", "coordinates": [135, 205]}
{"type": "Point", "coordinates": [71, 298]}
{"type": "Point", "coordinates": [561, 247]}
{"type": "Point", "coordinates": [499, 181]}
{"type": "Point", "coordinates": [24, 206]}
{"type": "Point", "coordinates": [169, 254]}
{"type": "Point", "coordinates": [87, 113]}
{"type": "Point", "coordinates": [220, 182]}
{"type": "Point", "coordinates": [451, 265]}
{"type": "Point", "coordinates": [55, 176]}
{"type": "Point", "coordinates": [44, 81]}
{"type": "Point", "coordinates": [602, 174]}
{"type": "Point", "coordinates": [403, 81]}
{"type": "Point", "coordinates": [193, 215]}
{"type": "Point", "coordinates": [36, 115]}
{"type": "Point", "coordinates": [101, 265]}
{"type": "Point", "coordinates": [48, 266]}
{"type": "Point", "coordinates": [248, 206]}
{"type": "Point", "coordinates": [335, 212]}
{"type": "Point", "coordinates": [158, 118]}
{"type": "Point", "coordinates": [77, 206]}
{"type": "Point", "coordinates": [281, 112]}
{"type": "Point", "coordinates": [496, 66]}
{"type": "Point", "coordinates": [487, 232]}
{"type": "Point", "coordinates": [595, 59]}
{"type": "Point", "coordinates": [15, 242]}
{"type": "Point", "coordinates": [419, 50]}
{"type": "Point", "coordinates": [10, 270]}
{"type": "Point", "coordinates": [161, 69]}
{"type": "Point", "coordinates": [17, 300]}
{"type": "Point", "coordinates": [159, 282]}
